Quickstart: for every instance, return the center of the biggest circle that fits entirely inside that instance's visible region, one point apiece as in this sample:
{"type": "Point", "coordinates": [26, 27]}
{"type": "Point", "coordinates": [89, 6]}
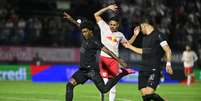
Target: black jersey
{"type": "Point", "coordinates": [152, 50]}
{"type": "Point", "coordinates": [88, 52]}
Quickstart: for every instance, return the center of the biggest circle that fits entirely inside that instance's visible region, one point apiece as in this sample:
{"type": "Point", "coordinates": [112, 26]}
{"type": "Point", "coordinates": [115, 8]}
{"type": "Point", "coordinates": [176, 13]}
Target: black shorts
{"type": "Point", "coordinates": [148, 79]}
{"type": "Point", "coordinates": [81, 76]}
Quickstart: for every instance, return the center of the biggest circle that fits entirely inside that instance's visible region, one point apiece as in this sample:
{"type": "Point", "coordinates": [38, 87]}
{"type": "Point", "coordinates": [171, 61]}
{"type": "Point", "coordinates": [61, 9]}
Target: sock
{"type": "Point", "coordinates": [146, 98]}
{"type": "Point", "coordinates": [156, 97]}
{"type": "Point", "coordinates": [153, 96]}
{"type": "Point", "coordinates": [112, 93]}
{"type": "Point", "coordinates": [69, 92]}
{"type": "Point", "coordinates": [188, 80]}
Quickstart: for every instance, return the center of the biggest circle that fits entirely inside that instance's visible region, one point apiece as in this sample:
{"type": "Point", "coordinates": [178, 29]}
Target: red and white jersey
{"type": "Point", "coordinates": [189, 57]}
{"type": "Point", "coordinates": [110, 39]}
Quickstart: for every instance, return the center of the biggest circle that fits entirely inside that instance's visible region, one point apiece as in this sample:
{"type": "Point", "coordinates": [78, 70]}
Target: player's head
{"type": "Point", "coordinates": [114, 24]}
{"type": "Point", "coordinates": [146, 26]}
{"type": "Point", "coordinates": [86, 28]}
{"type": "Point", "coordinates": [188, 48]}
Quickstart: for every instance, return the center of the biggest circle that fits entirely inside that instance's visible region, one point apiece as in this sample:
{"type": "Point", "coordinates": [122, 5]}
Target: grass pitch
{"type": "Point", "coordinates": [28, 91]}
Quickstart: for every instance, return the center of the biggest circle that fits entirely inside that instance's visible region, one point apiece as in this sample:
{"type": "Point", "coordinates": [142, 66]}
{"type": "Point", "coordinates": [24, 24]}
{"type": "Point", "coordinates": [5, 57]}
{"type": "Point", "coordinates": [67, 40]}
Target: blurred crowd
{"type": "Point", "coordinates": [180, 19]}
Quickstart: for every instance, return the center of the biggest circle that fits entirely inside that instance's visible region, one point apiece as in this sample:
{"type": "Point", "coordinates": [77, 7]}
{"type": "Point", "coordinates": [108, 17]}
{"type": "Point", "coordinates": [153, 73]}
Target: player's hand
{"type": "Point", "coordinates": [136, 30]}
{"type": "Point", "coordinates": [113, 7]}
{"type": "Point", "coordinates": [67, 16]}
{"type": "Point", "coordinates": [169, 70]}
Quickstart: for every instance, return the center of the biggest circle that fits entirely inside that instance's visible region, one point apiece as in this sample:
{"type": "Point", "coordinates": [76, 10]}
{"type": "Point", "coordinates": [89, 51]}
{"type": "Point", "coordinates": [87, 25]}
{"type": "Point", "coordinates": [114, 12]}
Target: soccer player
{"type": "Point", "coordinates": [110, 38]}
{"type": "Point", "coordinates": [88, 67]}
{"type": "Point", "coordinates": [154, 45]}
{"type": "Point", "coordinates": [188, 58]}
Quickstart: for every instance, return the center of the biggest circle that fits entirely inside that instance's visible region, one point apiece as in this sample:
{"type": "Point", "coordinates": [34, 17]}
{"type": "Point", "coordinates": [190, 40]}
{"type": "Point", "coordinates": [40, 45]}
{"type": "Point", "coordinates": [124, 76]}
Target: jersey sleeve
{"type": "Point", "coordinates": [162, 39]}
{"type": "Point", "coordinates": [123, 38]}
{"type": "Point", "coordinates": [104, 27]}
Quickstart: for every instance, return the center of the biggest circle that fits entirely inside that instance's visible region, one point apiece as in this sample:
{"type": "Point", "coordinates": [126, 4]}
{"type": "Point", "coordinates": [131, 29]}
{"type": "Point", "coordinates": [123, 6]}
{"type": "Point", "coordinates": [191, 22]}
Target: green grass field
{"type": "Point", "coordinates": [28, 91]}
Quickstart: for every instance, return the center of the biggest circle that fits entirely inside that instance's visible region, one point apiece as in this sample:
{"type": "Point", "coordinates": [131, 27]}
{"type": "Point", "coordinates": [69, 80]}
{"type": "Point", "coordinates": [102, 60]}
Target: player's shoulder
{"type": "Point", "coordinates": [119, 33]}
{"type": "Point", "coordinates": [161, 36]}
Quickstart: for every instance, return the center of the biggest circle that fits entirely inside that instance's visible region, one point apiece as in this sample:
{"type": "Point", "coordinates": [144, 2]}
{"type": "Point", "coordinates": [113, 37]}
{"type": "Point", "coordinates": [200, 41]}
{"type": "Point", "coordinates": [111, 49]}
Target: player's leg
{"type": "Point", "coordinates": [69, 89]}
{"type": "Point", "coordinates": [189, 76]}
{"type": "Point", "coordinates": [113, 71]}
{"type": "Point", "coordinates": [77, 78]}
{"type": "Point", "coordinates": [96, 78]}
{"type": "Point", "coordinates": [111, 67]}
{"type": "Point", "coordinates": [142, 84]}
{"type": "Point", "coordinates": [104, 74]}
{"type": "Point", "coordinates": [112, 93]}
{"type": "Point", "coordinates": [148, 83]}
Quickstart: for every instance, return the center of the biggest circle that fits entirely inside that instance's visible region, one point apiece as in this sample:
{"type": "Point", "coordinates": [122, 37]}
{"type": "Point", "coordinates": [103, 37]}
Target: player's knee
{"type": "Point", "coordinates": [73, 82]}
{"type": "Point", "coordinates": [147, 91]}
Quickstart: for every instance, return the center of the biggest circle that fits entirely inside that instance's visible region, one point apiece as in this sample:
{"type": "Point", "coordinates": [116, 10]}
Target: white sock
{"type": "Point", "coordinates": [112, 94]}
{"type": "Point", "coordinates": [188, 80]}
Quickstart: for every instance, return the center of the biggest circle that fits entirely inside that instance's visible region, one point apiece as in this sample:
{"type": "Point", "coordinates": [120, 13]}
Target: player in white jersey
{"type": "Point", "coordinates": [110, 38]}
{"type": "Point", "coordinates": [188, 58]}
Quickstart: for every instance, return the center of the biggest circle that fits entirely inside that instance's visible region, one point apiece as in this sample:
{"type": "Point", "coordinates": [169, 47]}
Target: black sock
{"type": "Point", "coordinates": [69, 92]}
{"type": "Point", "coordinates": [156, 97]}
{"type": "Point", "coordinates": [102, 96]}
{"type": "Point", "coordinates": [146, 98]}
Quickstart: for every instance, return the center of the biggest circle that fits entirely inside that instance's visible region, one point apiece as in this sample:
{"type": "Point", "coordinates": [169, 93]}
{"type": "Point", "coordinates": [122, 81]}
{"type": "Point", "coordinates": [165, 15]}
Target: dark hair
{"type": "Point", "coordinates": [115, 18]}
{"type": "Point", "coordinates": [148, 19]}
{"type": "Point", "coordinates": [87, 24]}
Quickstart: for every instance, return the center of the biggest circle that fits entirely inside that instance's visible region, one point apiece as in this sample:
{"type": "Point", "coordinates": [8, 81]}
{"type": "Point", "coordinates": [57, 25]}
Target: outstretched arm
{"type": "Point", "coordinates": [135, 49]}
{"type": "Point", "coordinates": [69, 18]}
{"type": "Point", "coordinates": [110, 53]}
{"type": "Point", "coordinates": [136, 32]}
{"type": "Point", "coordinates": [98, 13]}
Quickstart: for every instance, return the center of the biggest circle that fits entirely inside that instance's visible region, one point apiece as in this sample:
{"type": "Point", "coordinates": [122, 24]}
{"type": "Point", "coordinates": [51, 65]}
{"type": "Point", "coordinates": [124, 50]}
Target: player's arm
{"type": "Point", "coordinates": [97, 15]}
{"type": "Point", "coordinates": [69, 18]}
{"type": "Point", "coordinates": [110, 53]}
{"type": "Point", "coordinates": [134, 49]}
{"type": "Point", "coordinates": [168, 54]}
{"type": "Point", "coordinates": [195, 57]}
{"type": "Point", "coordinates": [136, 32]}
{"type": "Point", "coordinates": [126, 44]}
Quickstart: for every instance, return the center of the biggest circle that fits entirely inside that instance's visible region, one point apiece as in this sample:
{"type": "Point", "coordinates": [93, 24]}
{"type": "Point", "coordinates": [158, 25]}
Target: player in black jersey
{"type": "Point", "coordinates": [154, 45]}
{"type": "Point", "coordinates": [88, 66]}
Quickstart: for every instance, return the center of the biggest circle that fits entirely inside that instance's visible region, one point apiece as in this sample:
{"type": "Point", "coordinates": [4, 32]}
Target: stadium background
{"type": "Point", "coordinates": [38, 45]}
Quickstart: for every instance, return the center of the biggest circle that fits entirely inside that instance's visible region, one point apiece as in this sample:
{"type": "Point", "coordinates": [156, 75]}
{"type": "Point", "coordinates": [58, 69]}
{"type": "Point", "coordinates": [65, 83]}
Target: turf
{"type": "Point", "coordinates": [28, 91]}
